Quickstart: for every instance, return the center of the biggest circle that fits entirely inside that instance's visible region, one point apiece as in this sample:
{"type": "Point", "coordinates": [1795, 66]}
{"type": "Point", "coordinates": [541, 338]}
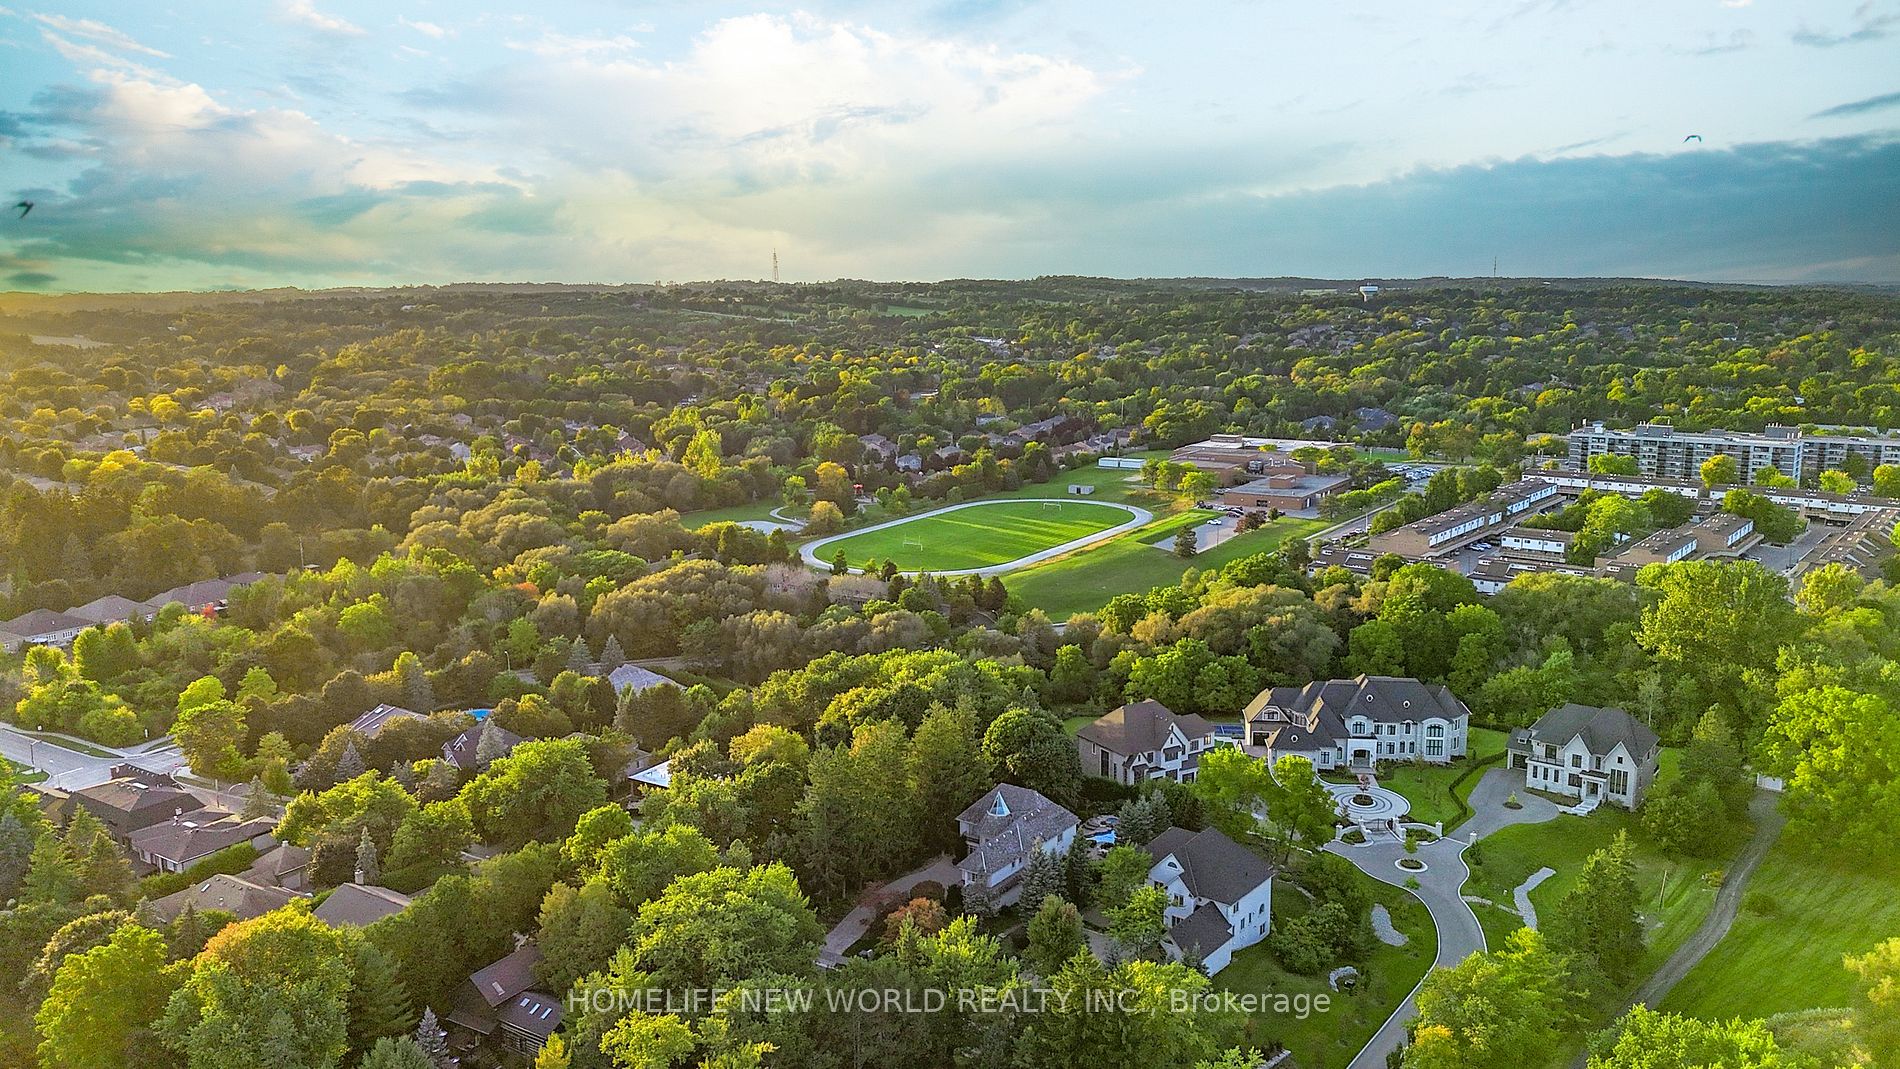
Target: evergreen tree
{"type": "Point", "coordinates": [580, 660]}
{"type": "Point", "coordinates": [1055, 936]}
{"type": "Point", "coordinates": [840, 564]}
{"type": "Point", "coordinates": [1184, 543]}
{"type": "Point", "coordinates": [433, 1041]}
{"type": "Point", "coordinates": [16, 854]}
{"type": "Point", "coordinates": [258, 801]}
{"type": "Point", "coordinates": [103, 869]}
{"type": "Point", "coordinates": [489, 746]}
{"type": "Point", "coordinates": [1042, 878]}
{"type": "Point", "coordinates": [51, 875]}
{"type": "Point", "coordinates": [417, 692]}
{"type": "Point", "coordinates": [379, 1002]}
{"type": "Point", "coordinates": [350, 765]}
{"type": "Point", "coordinates": [612, 655]}
{"type": "Point", "coordinates": [1141, 819]}
{"type": "Point", "coordinates": [368, 866]}
{"type": "Point", "coordinates": [400, 1053]}
{"type": "Point", "coordinates": [1599, 915]}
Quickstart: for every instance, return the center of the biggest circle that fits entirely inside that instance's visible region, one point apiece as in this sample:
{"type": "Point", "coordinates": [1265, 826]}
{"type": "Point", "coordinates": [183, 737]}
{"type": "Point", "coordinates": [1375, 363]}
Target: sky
{"type": "Point", "coordinates": [217, 144]}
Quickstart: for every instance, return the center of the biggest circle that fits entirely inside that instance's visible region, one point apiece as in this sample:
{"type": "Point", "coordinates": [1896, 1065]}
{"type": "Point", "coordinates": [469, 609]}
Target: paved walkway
{"type": "Point", "coordinates": [813, 552]}
{"type": "Point", "coordinates": [1522, 895]}
{"type": "Point", "coordinates": [874, 903]}
{"type": "Point", "coordinates": [1768, 821]}
{"type": "Point", "coordinates": [1441, 888]}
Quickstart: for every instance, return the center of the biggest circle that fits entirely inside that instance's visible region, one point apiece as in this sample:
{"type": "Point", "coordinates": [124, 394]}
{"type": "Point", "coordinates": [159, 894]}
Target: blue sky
{"type": "Point", "coordinates": [334, 142]}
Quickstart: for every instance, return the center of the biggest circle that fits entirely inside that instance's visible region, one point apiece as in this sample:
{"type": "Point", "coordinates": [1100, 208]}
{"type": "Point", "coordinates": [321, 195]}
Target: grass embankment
{"type": "Point", "coordinates": [1801, 915]}
{"type": "Point", "coordinates": [1329, 1040]}
{"type": "Point", "coordinates": [1674, 894]}
{"type": "Point", "coordinates": [979, 535]}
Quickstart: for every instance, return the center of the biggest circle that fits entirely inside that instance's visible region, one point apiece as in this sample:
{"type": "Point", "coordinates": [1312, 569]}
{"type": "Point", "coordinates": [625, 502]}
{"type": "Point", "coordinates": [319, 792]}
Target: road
{"type": "Point", "coordinates": [70, 770]}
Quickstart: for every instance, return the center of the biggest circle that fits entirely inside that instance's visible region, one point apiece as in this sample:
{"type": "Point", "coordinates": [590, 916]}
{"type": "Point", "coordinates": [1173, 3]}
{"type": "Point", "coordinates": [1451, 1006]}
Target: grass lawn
{"type": "Point", "coordinates": [1674, 896]}
{"type": "Point", "coordinates": [1438, 793]}
{"type": "Point", "coordinates": [67, 743]}
{"type": "Point", "coordinates": [1789, 957]}
{"type": "Point", "coordinates": [992, 532]}
{"type": "Point", "coordinates": [1085, 580]}
{"type": "Point", "coordinates": [23, 773]}
{"type": "Point", "coordinates": [1329, 1040]}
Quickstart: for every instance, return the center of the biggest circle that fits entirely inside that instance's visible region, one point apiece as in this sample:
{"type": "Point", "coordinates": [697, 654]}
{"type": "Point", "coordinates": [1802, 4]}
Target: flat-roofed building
{"type": "Point", "coordinates": [1461, 524]}
{"type": "Point", "coordinates": [1286, 491]}
{"type": "Point", "coordinates": [1235, 458]}
{"type": "Point", "coordinates": [1661, 449]}
{"type": "Point", "coordinates": [1536, 541]}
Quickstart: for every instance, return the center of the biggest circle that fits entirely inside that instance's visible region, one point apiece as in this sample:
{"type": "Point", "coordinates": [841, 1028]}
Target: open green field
{"type": "Point", "coordinates": [1798, 918]}
{"type": "Point", "coordinates": [1083, 581]}
{"type": "Point", "coordinates": [1674, 895]}
{"type": "Point", "coordinates": [756, 510]}
{"type": "Point", "coordinates": [993, 532]}
{"type": "Point", "coordinates": [1329, 1040]}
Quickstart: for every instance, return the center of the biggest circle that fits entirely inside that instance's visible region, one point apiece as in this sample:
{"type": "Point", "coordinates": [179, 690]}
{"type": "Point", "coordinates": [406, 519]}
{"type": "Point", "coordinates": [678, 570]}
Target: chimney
{"type": "Point", "coordinates": [178, 815]}
{"type": "Point", "coordinates": [359, 877]}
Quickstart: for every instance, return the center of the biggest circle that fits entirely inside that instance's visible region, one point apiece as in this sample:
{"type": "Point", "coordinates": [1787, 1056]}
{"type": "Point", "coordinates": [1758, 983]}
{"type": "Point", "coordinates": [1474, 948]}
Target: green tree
{"type": "Point", "coordinates": [1232, 785]}
{"type": "Point", "coordinates": [1028, 747]}
{"type": "Point", "coordinates": [1139, 924]}
{"type": "Point", "coordinates": [271, 991]}
{"type": "Point", "coordinates": [580, 930]}
{"type": "Point", "coordinates": [1877, 1006]}
{"type": "Point", "coordinates": [1599, 917]}
{"type": "Point", "coordinates": [1124, 869]}
{"type": "Point", "coordinates": [712, 928]}
{"type": "Point", "coordinates": [379, 1003]}
{"type": "Point", "coordinates": [100, 1011]}
{"type": "Point", "coordinates": [1055, 936]}
{"type": "Point", "coordinates": [1720, 470]}
{"type": "Point", "coordinates": [537, 791]}
{"type": "Point", "coordinates": [397, 1053]}
{"type": "Point", "coordinates": [1185, 542]}
{"type": "Point", "coordinates": [1487, 1010]}
{"type": "Point", "coordinates": [1646, 1039]}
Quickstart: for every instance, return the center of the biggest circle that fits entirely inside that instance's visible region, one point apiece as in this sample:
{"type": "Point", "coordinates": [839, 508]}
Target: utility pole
{"type": "Point", "coordinates": [775, 267]}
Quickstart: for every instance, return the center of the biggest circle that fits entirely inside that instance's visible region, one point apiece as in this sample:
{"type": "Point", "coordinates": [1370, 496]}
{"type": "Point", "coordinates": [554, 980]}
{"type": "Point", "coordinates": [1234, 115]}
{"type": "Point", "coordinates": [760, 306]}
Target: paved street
{"type": "Point", "coordinates": [70, 769]}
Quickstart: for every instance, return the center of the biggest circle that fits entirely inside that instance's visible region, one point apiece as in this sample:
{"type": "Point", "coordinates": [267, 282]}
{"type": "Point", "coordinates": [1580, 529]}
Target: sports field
{"type": "Point", "coordinates": [977, 536]}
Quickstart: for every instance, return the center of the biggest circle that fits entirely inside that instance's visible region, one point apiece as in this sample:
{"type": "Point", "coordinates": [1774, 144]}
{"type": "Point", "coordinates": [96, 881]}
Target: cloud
{"type": "Point", "coordinates": [1859, 107]}
{"type": "Point", "coordinates": [427, 29]}
{"type": "Point", "coordinates": [574, 46]}
{"type": "Point", "coordinates": [1869, 25]}
{"type": "Point", "coordinates": [304, 13]}
{"type": "Point", "coordinates": [99, 33]}
{"type": "Point", "coordinates": [32, 280]}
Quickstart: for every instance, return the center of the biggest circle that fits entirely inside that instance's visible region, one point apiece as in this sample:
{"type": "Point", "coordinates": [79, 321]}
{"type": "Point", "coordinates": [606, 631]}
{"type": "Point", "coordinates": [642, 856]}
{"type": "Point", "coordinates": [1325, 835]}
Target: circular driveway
{"type": "Point", "coordinates": [1381, 803]}
{"type": "Point", "coordinates": [812, 552]}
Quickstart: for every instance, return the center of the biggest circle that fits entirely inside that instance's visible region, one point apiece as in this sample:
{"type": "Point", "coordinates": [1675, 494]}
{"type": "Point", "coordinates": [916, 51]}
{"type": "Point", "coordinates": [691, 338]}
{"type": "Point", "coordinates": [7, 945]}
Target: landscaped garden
{"type": "Point", "coordinates": [1329, 1040]}
{"type": "Point", "coordinates": [1443, 792]}
{"type": "Point", "coordinates": [1799, 916]}
{"type": "Point", "coordinates": [977, 535]}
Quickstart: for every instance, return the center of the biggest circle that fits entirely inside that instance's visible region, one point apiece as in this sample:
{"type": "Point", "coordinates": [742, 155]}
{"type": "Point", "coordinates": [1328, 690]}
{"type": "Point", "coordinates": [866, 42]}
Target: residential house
{"type": "Point", "coordinates": [461, 751]}
{"type": "Point", "coordinates": [1373, 419]}
{"type": "Point", "coordinates": [204, 595]}
{"type": "Point", "coordinates": [1003, 829]}
{"type": "Point", "coordinates": [1593, 755]}
{"type": "Point", "coordinates": [1220, 895]}
{"type": "Point", "coordinates": [1357, 723]}
{"type": "Point", "coordinates": [877, 447]}
{"type": "Point", "coordinates": [284, 865]}
{"type": "Point", "coordinates": [372, 723]}
{"type": "Point", "coordinates": [177, 844]}
{"type": "Point", "coordinates": [1145, 740]}
{"type": "Point", "coordinates": [227, 894]}
{"type": "Point", "coordinates": [359, 905]}
{"type": "Point", "coordinates": [41, 627]}
{"type": "Point", "coordinates": [500, 1000]}
{"type": "Point", "coordinates": [635, 678]}
{"type": "Point", "coordinates": [134, 799]}
{"type": "Point", "coordinates": [112, 608]}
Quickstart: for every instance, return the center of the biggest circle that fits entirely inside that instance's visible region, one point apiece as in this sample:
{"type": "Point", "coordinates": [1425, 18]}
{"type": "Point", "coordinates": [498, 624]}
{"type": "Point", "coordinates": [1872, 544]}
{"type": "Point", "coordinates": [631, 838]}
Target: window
{"type": "Point", "coordinates": [1435, 731]}
{"type": "Point", "coordinates": [1104, 771]}
{"type": "Point", "coordinates": [1434, 749]}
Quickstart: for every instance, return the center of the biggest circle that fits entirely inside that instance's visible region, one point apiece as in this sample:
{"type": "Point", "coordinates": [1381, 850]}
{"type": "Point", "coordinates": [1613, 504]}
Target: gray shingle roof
{"type": "Point", "coordinates": [1204, 931]}
{"type": "Point", "coordinates": [1140, 727]}
{"type": "Point", "coordinates": [359, 905]}
{"type": "Point", "coordinates": [1213, 866]}
{"type": "Point", "coordinates": [1006, 832]}
{"type": "Point", "coordinates": [241, 898]}
{"type": "Point", "coordinates": [188, 837]}
{"type": "Point", "coordinates": [1601, 729]}
{"type": "Point", "coordinates": [1318, 711]}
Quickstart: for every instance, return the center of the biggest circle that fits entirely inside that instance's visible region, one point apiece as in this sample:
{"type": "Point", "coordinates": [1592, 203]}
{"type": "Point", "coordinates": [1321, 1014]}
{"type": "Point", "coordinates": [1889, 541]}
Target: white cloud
{"type": "Point", "coordinates": [305, 13]}
{"type": "Point", "coordinates": [427, 29]}
{"type": "Point", "coordinates": [99, 33]}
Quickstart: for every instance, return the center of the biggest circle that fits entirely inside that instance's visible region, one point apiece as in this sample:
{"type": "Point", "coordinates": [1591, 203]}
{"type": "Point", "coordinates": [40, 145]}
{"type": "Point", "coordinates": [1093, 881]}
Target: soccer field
{"type": "Point", "coordinates": [977, 536]}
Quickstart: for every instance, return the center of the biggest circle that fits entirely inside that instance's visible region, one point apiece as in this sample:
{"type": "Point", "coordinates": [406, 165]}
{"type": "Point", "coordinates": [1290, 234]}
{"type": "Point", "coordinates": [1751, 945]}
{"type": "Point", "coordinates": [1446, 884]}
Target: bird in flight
{"type": "Point", "coordinates": [1692, 137]}
{"type": "Point", "coordinates": [23, 207]}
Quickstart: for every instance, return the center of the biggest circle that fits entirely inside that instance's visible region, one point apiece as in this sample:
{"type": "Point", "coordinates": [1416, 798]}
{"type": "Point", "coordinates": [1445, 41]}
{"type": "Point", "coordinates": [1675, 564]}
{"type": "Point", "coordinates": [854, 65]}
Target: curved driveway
{"type": "Point", "coordinates": [1441, 888]}
{"type": "Point", "coordinates": [811, 551]}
